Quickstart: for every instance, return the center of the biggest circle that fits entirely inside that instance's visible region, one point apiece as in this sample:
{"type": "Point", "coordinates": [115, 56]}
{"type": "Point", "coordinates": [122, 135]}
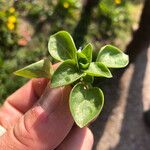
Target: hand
{"type": "Point", "coordinates": [35, 122]}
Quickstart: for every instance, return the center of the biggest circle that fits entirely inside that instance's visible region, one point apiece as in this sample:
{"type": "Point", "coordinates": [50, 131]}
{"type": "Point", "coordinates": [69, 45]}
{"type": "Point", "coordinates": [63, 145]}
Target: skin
{"type": "Point", "coordinates": [38, 117]}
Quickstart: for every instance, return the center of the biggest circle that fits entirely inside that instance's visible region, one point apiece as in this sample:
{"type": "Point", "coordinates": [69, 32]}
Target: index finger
{"type": "Point", "coordinates": [21, 101]}
{"type": "Point", "coordinates": [24, 98]}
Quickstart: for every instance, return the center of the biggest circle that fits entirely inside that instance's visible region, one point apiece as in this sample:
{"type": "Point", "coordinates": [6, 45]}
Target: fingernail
{"type": "Point", "coordinates": [51, 98]}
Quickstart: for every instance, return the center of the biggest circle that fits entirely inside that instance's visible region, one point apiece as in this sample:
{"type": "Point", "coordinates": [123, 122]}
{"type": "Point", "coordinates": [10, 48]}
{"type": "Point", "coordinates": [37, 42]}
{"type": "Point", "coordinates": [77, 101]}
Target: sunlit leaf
{"type": "Point", "coordinates": [112, 57]}
{"type": "Point", "coordinates": [61, 46]}
{"type": "Point", "coordinates": [99, 70]}
{"type": "Point", "coordinates": [66, 74]}
{"type": "Point", "coordinates": [40, 69]}
{"type": "Point", "coordinates": [85, 104]}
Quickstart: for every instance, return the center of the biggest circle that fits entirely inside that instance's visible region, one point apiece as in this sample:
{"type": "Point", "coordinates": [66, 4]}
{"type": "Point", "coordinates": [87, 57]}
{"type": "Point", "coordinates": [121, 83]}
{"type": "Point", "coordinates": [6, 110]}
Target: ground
{"type": "Point", "coordinates": [120, 126]}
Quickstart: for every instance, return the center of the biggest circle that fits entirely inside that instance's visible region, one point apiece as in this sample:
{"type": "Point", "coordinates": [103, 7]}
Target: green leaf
{"type": "Point", "coordinates": [87, 51]}
{"type": "Point", "coordinates": [98, 69]}
{"type": "Point", "coordinates": [61, 46]}
{"type": "Point", "coordinates": [85, 104]}
{"type": "Point", "coordinates": [82, 61]}
{"type": "Point", "coordinates": [40, 69]}
{"type": "Point", "coordinates": [112, 57]}
{"type": "Point", "coordinates": [66, 74]}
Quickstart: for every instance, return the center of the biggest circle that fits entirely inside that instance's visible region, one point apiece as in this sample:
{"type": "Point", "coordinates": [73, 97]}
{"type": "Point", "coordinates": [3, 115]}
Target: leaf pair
{"type": "Point", "coordinates": [85, 101]}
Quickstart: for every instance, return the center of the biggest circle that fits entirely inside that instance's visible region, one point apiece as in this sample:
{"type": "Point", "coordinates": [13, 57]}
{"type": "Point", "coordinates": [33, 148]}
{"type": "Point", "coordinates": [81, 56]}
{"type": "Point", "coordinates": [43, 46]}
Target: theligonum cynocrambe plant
{"type": "Point", "coordinates": [77, 68]}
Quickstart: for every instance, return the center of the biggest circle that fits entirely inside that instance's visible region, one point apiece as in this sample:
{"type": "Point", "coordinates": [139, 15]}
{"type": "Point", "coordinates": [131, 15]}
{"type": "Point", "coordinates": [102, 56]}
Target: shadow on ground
{"type": "Point", "coordinates": [133, 133]}
{"type": "Point", "coordinates": [120, 126]}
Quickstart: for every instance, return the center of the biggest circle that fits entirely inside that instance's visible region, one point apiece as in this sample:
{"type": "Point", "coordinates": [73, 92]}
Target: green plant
{"type": "Point", "coordinates": [113, 16]}
{"type": "Point", "coordinates": [8, 23]}
{"type": "Point", "coordinates": [77, 68]}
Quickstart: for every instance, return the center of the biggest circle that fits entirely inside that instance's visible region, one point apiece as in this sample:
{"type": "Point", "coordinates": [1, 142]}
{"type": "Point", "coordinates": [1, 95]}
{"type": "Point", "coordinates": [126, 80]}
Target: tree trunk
{"type": "Point", "coordinates": [141, 37]}
{"type": "Point", "coordinates": [82, 27]}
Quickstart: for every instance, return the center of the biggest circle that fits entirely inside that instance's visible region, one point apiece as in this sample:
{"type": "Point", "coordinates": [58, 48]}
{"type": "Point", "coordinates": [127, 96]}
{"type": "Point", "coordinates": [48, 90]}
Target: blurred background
{"type": "Point", "coordinates": [25, 27]}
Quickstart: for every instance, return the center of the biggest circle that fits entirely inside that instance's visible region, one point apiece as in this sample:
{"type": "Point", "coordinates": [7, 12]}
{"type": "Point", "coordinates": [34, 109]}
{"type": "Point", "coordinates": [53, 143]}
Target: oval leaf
{"type": "Point", "coordinates": [98, 69]}
{"type": "Point", "coordinates": [112, 57]}
{"type": "Point", "coordinates": [85, 104]}
{"type": "Point", "coordinates": [61, 46]}
{"type": "Point", "coordinates": [66, 74]}
{"type": "Point", "coordinates": [40, 69]}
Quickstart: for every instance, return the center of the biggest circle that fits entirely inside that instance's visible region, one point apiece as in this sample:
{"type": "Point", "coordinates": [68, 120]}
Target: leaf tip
{"type": "Point", "coordinates": [80, 125]}
{"type": "Point", "coordinates": [110, 76]}
{"type": "Point", "coordinates": [53, 85]}
{"type": "Point", "coordinates": [90, 44]}
{"type": "Point", "coordinates": [127, 59]}
{"type": "Point", "coordinates": [15, 72]}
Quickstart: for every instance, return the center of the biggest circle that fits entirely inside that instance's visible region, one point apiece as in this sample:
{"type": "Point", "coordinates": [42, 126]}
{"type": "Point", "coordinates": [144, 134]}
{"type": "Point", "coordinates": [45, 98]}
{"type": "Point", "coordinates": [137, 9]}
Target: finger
{"type": "Point", "coordinates": [44, 126]}
{"type": "Point", "coordinates": [22, 100]}
{"type": "Point", "coordinates": [26, 96]}
{"type": "Point", "coordinates": [78, 139]}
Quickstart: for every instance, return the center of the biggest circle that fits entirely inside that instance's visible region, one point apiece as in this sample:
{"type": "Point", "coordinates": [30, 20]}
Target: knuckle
{"type": "Point", "coordinates": [25, 131]}
{"type": "Point", "coordinates": [23, 134]}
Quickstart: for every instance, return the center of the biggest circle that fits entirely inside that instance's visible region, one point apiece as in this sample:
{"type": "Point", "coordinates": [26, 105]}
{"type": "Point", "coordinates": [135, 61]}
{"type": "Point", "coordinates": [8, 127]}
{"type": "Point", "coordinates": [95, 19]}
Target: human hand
{"type": "Point", "coordinates": [35, 122]}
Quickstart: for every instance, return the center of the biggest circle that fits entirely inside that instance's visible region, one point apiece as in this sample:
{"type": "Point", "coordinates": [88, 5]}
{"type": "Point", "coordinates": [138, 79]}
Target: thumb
{"type": "Point", "coordinates": [44, 126]}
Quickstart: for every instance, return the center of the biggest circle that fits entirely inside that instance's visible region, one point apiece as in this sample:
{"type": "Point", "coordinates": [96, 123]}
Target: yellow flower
{"type": "Point", "coordinates": [117, 1]}
{"type": "Point", "coordinates": [10, 26]}
{"type": "Point", "coordinates": [11, 10]}
{"type": "Point", "coordinates": [12, 19]}
{"type": "Point", "coordinates": [66, 5]}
